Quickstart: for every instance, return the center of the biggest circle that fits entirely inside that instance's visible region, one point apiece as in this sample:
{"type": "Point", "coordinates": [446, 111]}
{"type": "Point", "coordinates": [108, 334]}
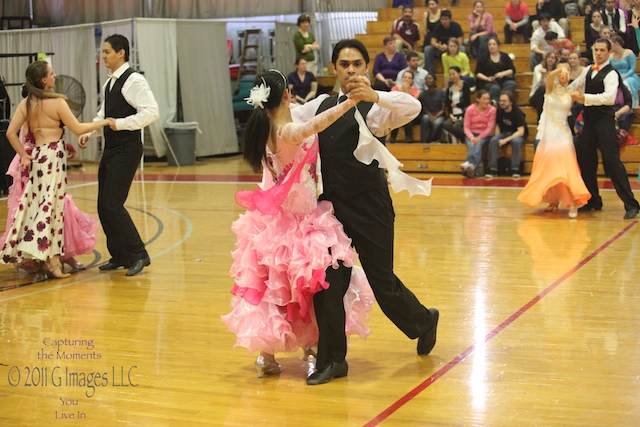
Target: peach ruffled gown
{"type": "Point", "coordinates": [555, 176]}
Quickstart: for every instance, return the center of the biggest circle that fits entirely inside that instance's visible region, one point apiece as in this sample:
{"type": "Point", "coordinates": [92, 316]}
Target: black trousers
{"type": "Point", "coordinates": [115, 175]}
{"type": "Point", "coordinates": [368, 220]}
{"type": "Point", "coordinates": [525, 30]}
{"type": "Point", "coordinates": [599, 134]}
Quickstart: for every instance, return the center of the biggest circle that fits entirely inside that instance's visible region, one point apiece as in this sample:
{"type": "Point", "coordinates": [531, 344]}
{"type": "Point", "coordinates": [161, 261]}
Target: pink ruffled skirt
{"type": "Point", "coordinates": [279, 264]}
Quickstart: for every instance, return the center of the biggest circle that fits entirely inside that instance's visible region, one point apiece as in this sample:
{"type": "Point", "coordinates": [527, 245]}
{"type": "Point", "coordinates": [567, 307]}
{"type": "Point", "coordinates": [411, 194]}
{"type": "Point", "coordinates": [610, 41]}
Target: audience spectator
{"type": "Point", "coordinates": [558, 44]}
{"type": "Point", "coordinates": [516, 16]}
{"type": "Point", "coordinates": [539, 46]}
{"type": "Point", "coordinates": [456, 102]}
{"type": "Point", "coordinates": [480, 29]}
{"type": "Point", "coordinates": [538, 86]}
{"type": "Point", "coordinates": [433, 101]}
{"type": "Point", "coordinates": [402, 3]}
{"type": "Point", "coordinates": [587, 7]}
{"type": "Point", "coordinates": [633, 28]}
{"type": "Point", "coordinates": [302, 84]}
{"type": "Point", "coordinates": [606, 33]}
{"type": "Point", "coordinates": [407, 87]}
{"type": "Point", "coordinates": [419, 73]}
{"type": "Point", "coordinates": [430, 19]}
{"type": "Point", "coordinates": [387, 65]}
{"type": "Point", "coordinates": [511, 128]}
{"type": "Point", "coordinates": [453, 57]}
{"type": "Point", "coordinates": [495, 71]}
{"type": "Point", "coordinates": [614, 18]}
{"type": "Point", "coordinates": [624, 62]}
{"type": "Point", "coordinates": [406, 31]}
{"type": "Point", "coordinates": [576, 67]}
{"type": "Point", "coordinates": [625, 6]}
{"type": "Point", "coordinates": [479, 122]}
{"type": "Point", "coordinates": [624, 114]}
{"type": "Point", "coordinates": [564, 53]}
{"type": "Point", "coordinates": [556, 12]}
{"type": "Point", "coordinates": [439, 40]}
{"type": "Point", "coordinates": [571, 8]}
{"type": "Point", "coordinates": [305, 43]}
{"type": "Point", "coordinates": [592, 27]}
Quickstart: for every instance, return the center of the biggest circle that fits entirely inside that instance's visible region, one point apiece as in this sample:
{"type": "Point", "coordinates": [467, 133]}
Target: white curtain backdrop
{"type": "Point", "coordinates": [157, 55]}
{"type": "Point", "coordinates": [158, 48]}
{"type": "Point", "coordinates": [205, 85]}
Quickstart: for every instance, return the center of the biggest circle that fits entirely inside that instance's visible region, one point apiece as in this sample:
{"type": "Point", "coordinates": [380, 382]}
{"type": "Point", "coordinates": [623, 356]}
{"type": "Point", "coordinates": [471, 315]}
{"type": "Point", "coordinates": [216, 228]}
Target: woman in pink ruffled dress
{"type": "Point", "coordinates": [286, 239]}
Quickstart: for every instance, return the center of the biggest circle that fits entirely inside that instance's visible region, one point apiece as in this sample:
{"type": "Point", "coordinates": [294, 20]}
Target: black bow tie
{"type": "Point", "coordinates": [342, 99]}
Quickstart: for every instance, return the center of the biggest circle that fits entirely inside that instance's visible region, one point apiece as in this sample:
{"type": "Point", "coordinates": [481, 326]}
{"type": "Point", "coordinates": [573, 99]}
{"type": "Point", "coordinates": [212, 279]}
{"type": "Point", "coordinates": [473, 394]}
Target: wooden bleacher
{"type": "Point", "coordinates": [432, 158]}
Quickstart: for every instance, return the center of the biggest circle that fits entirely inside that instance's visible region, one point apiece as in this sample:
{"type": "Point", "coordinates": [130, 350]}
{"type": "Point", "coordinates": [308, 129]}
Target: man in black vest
{"type": "Point", "coordinates": [128, 99]}
{"type": "Point", "coordinates": [600, 85]}
{"type": "Point", "coordinates": [361, 200]}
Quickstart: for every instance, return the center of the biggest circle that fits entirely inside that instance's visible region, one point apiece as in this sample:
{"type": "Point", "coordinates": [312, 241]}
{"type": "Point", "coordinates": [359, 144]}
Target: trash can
{"type": "Point", "coordinates": [182, 141]}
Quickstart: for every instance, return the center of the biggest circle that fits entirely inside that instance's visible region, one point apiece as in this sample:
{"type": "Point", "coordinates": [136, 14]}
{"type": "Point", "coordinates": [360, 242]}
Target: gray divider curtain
{"type": "Point", "coordinates": [285, 50]}
{"type": "Point", "coordinates": [74, 55]}
{"type": "Point", "coordinates": [205, 84]}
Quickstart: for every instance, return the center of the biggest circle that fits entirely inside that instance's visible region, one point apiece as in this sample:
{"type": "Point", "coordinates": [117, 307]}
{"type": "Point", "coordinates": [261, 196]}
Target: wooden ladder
{"type": "Point", "coordinates": [251, 57]}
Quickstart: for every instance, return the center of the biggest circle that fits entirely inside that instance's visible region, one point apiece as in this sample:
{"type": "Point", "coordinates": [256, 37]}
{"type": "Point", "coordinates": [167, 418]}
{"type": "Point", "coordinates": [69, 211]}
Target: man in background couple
{"type": "Point", "coordinates": [128, 99]}
{"type": "Point", "coordinates": [600, 86]}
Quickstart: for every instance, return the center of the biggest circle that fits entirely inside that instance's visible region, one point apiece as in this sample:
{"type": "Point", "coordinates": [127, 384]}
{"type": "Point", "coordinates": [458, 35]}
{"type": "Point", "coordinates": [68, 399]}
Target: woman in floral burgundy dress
{"type": "Point", "coordinates": [37, 231]}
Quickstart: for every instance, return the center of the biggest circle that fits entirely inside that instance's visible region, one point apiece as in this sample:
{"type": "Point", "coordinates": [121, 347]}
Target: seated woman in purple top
{"type": "Point", "coordinates": [302, 84]}
{"type": "Point", "coordinates": [387, 65]}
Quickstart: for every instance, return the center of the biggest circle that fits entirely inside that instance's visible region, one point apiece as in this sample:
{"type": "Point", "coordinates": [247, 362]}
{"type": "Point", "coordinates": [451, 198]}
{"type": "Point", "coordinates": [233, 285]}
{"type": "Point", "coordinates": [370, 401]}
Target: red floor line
{"type": "Point", "coordinates": [458, 359]}
{"type": "Point", "coordinates": [453, 181]}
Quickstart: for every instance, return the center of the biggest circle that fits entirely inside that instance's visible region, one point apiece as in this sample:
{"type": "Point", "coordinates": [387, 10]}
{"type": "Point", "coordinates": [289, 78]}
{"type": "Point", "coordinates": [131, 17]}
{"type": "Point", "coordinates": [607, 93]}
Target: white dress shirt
{"type": "Point", "coordinates": [393, 109]}
{"type": "Point", "coordinates": [537, 38]}
{"type": "Point", "coordinates": [610, 18]}
{"type": "Point", "coordinates": [137, 93]}
{"type": "Point", "coordinates": [608, 97]}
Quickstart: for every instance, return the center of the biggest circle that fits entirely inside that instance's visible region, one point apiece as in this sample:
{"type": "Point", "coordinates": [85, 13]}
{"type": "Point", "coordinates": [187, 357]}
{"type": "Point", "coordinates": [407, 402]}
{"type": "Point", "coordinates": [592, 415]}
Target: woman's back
{"type": "Point", "coordinates": [44, 120]}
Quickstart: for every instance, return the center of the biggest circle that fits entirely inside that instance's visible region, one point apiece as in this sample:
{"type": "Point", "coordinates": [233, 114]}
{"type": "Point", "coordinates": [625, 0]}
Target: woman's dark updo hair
{"type": "Point", "coordinates": [259, 126]}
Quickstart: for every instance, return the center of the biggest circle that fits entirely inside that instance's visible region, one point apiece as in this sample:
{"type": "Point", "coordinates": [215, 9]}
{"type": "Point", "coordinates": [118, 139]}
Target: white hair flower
{"type": "Point", "coordinates": [258, 96]}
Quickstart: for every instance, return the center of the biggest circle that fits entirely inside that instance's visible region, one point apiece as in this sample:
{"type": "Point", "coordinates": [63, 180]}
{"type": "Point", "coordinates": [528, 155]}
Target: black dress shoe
{"type": "Point", "coordinates": [111, 265]}
{"type": "Point", "coordinates": [427, 341]}
{"type": "Point", "coordinates": [137, 266]}
{"type": "Point", "coordinates": [631, 213]}
{"type": "Point", "coordinates": [329, 372]}
{"type": "Point", "coordinates": [588, 207]}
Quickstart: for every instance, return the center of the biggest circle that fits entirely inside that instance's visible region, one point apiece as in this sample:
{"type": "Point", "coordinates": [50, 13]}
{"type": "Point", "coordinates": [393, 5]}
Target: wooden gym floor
{"type": "Point", "coordinates": [539, 322]}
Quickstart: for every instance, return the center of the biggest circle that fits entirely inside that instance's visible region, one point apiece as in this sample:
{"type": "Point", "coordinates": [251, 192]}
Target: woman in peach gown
{"type": "Point", "coordinates": [555, 176]}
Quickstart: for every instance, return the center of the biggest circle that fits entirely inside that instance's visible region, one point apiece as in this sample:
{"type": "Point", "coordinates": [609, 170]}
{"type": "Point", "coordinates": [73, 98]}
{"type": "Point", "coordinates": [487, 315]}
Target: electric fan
{"type": "Point", "coordinates": [72, 88]}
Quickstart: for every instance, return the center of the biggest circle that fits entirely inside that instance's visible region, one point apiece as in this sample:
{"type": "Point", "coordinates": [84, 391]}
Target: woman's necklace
{"type": "Point", "coordinates": [562, 89]}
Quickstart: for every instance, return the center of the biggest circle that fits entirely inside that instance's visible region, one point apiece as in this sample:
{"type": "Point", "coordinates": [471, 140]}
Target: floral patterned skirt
{"type": "Point", "coordinates": [37, 231]}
